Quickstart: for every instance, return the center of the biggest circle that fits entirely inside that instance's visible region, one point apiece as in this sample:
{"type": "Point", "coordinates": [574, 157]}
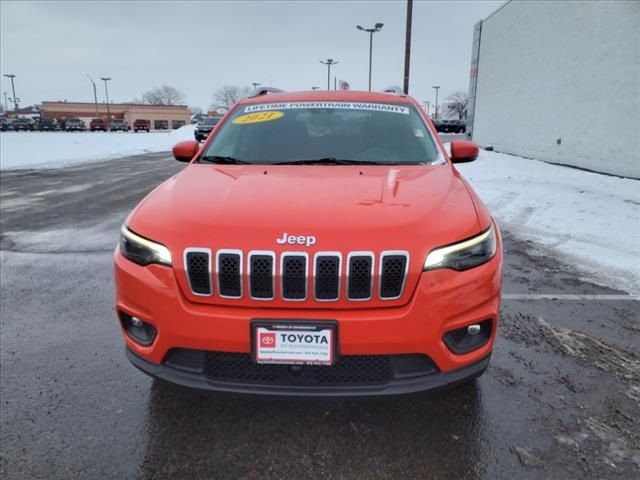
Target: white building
{"type": "Point", "coordinates": [560, 82]}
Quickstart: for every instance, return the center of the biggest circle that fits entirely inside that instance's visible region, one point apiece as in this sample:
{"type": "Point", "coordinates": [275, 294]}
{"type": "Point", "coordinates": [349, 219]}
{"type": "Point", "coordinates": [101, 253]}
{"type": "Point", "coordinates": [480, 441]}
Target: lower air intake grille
{"type": "Point", "coordinates": [359, 285]}
{"type": "Point", "coordinates": [349, 370]}
{"type": "Point", "coordinates": [199, 272]}
{"type": "Point", "coordinates": [392, 275]}
{"type": "Point", "coordinates": [327, 279]}
{"type": "Point", "coordinates": [229, 281]}
{"type": "Point", "coordinates": [294, 277]}
{"type": "Point", "coordinates": [261, 276]}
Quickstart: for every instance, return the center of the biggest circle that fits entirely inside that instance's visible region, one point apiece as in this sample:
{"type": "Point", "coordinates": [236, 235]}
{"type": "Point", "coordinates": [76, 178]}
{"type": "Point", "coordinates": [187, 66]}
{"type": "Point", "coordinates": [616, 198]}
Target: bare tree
{"type": "Point", "coordinates": [195, 111]}
{"type": "Point", "coordinates": [228, 95]}
{"type": "Point", "coordinates": [458, 102]}
{"type": "Point", "coordinates": [164, 95]}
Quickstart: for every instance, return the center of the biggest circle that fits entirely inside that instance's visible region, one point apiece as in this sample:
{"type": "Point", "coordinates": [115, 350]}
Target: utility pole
{"type": "Point", "coordinates": [11, 76]}
{"type": "Point", "coordinates": [328, 63]}
{"type": "Point", "coordinates": [436, 87]}
{"type": "Point", "coordinates": [106, 93]}
{"type": "Point", "coordinates": [95, 93]}
{"type": "Point", "coordinates": [407, 46]}
{"type": "Point", "coordinates": [376, 28]}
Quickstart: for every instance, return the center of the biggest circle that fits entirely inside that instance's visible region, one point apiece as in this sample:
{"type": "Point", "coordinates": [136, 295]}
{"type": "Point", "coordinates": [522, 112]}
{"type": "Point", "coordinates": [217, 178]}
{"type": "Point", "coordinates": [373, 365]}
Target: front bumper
{"type": "Point", "coordinates": [395, 386]}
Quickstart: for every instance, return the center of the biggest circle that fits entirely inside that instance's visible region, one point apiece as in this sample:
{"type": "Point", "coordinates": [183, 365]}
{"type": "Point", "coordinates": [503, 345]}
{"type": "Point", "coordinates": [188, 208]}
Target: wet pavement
{"type": "Point", "coordinates": [560, 400]}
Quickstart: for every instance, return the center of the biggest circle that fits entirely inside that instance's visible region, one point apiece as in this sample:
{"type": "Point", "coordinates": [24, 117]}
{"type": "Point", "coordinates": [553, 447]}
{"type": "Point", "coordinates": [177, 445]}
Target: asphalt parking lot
{"type": "Point", "coordinates": [560, 399]}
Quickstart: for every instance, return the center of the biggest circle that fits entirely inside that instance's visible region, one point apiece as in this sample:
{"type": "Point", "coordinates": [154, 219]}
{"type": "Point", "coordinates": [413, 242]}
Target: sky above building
{"type": "Point", "coordinates": [199, 46]}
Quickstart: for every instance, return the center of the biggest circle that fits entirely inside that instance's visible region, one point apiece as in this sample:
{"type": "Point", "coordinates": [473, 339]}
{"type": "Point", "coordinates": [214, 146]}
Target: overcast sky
{"type": "Point", "coordinates": [199, 46]}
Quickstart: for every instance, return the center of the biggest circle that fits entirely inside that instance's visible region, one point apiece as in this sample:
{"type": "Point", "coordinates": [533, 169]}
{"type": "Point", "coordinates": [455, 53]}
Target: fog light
{"type": "Point", "coordinates": [469, 338]}
{"type": "Point", "coordinates": [136, 322]}
{"type": "Point", "coordinates": [138, 330]}
{"type": "Point", "coordinates": [471, 329]}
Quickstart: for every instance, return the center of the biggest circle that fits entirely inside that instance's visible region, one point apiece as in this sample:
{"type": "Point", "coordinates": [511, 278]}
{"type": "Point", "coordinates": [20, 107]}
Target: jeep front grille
{"type": "Point", "coordinates": [327, 276]}
{"type": "Point", "coordinates": [198, 265]}
{"type": "Point", "coordinates": [229, 268]}
{"type": "Point", "coordinates": [393, 272]}
{"type": "Point", "coordinates": [360, 271]}
{"type": "Point", "coordinates": [294, 273]}
{"type": "Point", "coordinates": [261, 274]}
{"type": "Point", "coordinates": [295, 276]}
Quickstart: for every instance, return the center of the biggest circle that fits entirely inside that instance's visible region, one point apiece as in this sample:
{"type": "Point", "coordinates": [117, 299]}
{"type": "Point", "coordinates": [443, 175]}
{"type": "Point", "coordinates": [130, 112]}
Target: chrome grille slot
{"type": "Point", "coordinates": [294, 272]}
{"type": "Point", "coordinates": [197, 265]}
{"type": "Point", "coordinates": [327, 276]}
{"type": "Point", "coordinates": [393, 273]}
{"type": "Point", "coordinates": [261, 272]}
{"type": "Point", "coordinates": [229, 269]}
{"type": "Point", "coordinates": [360, 275]}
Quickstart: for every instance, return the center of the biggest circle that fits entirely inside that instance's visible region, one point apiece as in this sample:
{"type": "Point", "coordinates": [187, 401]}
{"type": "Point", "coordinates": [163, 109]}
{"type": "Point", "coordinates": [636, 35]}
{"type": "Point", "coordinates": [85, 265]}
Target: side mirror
{"type": "Point", "coordinates": [463, 151]}
{"type": "Point", "coordinates": [185, 151]}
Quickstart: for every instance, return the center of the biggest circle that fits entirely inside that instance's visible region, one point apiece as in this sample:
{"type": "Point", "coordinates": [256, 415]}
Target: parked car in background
{"type": "Point", "coordinates": [74, 125]}
{"type": "Point", "coordinates": [450, 126]}
{"type": "Point", "coordinates": [141, 124]}
{"type": "Point", "coordinates": [203, 129]}
{"type": "Point", "coordinates": [48, 124]}
{"type": "Point", "coordinates": [97, 124]}
{"type": "Point", "coordinates": [119, 124]}
{"type": "Point", "coordinates": [5, 124]}
{"type": "Point", "coordinates": [22, 124]}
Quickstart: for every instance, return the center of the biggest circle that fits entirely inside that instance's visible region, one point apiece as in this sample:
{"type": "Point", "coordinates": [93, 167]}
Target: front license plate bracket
{"type": "Point", "coordinates": [294, 342]}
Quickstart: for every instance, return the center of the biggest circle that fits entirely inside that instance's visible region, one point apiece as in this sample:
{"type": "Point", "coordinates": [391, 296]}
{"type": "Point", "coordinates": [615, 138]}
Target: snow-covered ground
{"type": "Point", "coordinates": [56, 149]}
{"type": "Point", "coordinates": [590, 219]}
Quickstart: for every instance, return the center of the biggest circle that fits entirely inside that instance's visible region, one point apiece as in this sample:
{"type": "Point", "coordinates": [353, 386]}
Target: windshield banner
{"type": "Point", "coordinates": [381, 107]}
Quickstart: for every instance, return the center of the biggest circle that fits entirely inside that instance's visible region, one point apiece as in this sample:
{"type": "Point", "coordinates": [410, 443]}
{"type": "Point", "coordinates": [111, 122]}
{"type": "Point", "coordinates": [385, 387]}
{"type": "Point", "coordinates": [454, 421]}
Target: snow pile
{"type": "Point", "coordinates": [589, 218]}
{"type": "Point", "coordinates": [55, 149]}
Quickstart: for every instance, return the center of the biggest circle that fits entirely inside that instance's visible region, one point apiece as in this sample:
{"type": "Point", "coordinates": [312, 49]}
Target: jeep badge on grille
{"type": "Point", "coordinates": [307, 240]}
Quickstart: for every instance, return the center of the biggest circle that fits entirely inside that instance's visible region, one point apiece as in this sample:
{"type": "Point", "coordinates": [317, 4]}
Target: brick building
{"type": "Point", "coordinates": [160, 117]}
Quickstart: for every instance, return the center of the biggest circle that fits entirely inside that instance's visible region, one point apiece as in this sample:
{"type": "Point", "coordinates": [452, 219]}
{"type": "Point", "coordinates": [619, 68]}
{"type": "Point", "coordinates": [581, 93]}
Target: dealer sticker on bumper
{"type": "Point", "coordinates": [294, 343]}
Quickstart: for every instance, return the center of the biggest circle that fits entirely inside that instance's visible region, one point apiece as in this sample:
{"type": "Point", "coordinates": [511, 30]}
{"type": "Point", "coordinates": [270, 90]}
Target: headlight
{"type": "Point", "coordinates": [464, 255]}
{"type": "Point", "coordinates": [142, 251]}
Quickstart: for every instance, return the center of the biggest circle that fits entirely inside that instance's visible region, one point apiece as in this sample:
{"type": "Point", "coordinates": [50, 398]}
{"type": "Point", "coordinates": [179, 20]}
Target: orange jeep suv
{"type": "Point", "coordinates": [318, 243]}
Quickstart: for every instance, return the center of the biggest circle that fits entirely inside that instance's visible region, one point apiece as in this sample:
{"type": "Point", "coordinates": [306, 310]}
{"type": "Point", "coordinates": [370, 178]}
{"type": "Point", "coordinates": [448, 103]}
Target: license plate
{"type": "Point", "coordinates": [294, 343]}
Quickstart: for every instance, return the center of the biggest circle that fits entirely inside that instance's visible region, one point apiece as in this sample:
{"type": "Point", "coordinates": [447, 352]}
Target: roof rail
{"type": "Point", "coordinates": [263, 91]}
{"type": "Point", "coordinates": [395, 90]}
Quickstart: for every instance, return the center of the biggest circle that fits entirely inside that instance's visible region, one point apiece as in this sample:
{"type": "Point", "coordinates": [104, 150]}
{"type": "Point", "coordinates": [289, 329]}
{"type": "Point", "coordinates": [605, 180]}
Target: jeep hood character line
{"type": "Point", "coordinates": [319, 243]}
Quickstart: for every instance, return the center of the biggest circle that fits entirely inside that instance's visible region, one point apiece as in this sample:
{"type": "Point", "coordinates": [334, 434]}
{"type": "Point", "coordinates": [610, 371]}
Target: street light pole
{"type": "Point", "coordinates": [436, 87]}
{"type": "Point", "coordinates": [407, 46]}
{"type": "Point", "coordinates": [255, 85]}
{"type": "Point", "coordinates": [328, 63]}
{"type": "Point", "coordinates": [95, 94]}
{"type": "Point", "coordinates": [106, 93]}
{"type": "Point", "coordinates": [6, 105]}
{"type": "Point", "coordinates": [376, 28]}
{"type": "Point", "coordinates": [11, 76]}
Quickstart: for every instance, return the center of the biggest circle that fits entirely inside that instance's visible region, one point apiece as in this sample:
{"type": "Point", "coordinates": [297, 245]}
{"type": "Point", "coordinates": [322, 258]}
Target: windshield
{"type": "Point", "coordinates": [375, 133]}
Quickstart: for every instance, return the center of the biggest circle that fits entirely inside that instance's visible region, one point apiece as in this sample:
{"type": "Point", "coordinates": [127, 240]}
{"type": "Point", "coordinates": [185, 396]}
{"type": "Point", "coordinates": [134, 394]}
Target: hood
{"type": "Point", "coordinates": [333, 203]}
{"type": "Point", "coordinates": [347, 208]}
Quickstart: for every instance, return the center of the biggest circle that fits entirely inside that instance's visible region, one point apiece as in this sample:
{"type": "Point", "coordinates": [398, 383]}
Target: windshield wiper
{"type": "Point", "coordinates": [327, 161]}
{"type": "Point", "coordinates": [222, 160]}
